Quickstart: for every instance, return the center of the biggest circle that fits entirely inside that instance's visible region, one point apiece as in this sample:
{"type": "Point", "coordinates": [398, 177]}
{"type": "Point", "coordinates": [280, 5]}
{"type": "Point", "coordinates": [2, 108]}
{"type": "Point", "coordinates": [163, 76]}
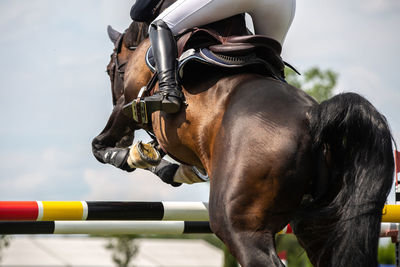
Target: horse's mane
{"type": "Point", "coordinates": [138, 31]}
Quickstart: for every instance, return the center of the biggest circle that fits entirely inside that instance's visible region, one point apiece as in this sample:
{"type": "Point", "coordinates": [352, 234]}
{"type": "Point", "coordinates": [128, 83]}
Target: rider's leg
{"type": "Point", "coordinates": [184, 14]}
{"type": "Point", "coordinates": [273, 17]}
{"type": "Point", "coordinates": [169, 96]}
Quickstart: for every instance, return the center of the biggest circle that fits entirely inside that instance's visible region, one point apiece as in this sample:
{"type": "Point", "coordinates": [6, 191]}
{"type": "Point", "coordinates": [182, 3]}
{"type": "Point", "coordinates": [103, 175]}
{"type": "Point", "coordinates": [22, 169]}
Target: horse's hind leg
{"type": "Point", "coordinates": [254, 197]}
{"type": "Point", "coordinates": [251, 201]}
{"type": "Point", "coordinates": [241, 225]}
{"type": "Point", "coordinates": [253, 249]}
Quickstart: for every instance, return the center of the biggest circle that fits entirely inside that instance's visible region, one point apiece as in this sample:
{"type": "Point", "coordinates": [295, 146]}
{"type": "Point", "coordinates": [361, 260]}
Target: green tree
{"type": "Point", "coordinates": [123, 249]}
{"type": "Point", "coordinates": [316, 82]}
{"type": "Point", "coordinates": [386, 254]}
{"type": "Point", "coordinates": [296, 256]}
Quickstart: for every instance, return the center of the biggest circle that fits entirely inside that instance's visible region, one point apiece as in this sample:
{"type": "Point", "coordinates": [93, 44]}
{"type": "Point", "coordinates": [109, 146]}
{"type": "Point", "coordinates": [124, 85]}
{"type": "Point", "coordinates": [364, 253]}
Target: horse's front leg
{"type": "Point", "coordinates": [111, 146]}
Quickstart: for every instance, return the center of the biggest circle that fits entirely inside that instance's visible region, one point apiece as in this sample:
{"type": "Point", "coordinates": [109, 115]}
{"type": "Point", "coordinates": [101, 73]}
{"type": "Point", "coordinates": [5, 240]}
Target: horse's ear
{"type": "Point", "coordinates": [113, 34]}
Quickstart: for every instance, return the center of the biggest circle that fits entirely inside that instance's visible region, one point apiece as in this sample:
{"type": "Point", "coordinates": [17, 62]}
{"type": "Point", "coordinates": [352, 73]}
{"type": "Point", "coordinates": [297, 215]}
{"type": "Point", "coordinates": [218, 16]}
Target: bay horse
{"type": "Point", "coordinates": [273, 154]}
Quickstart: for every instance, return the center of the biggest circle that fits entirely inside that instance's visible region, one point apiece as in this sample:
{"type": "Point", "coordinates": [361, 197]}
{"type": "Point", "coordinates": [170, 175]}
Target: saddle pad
{"type": "Point", "coordinates": [205, 56]}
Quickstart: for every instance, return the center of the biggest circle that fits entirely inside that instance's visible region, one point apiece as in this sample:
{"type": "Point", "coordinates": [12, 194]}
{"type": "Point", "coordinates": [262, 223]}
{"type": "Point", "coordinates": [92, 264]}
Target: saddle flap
{"type": "Point", "coordinates": [227, 41]}
{"type": "Point", "coordinates": [221, 44]}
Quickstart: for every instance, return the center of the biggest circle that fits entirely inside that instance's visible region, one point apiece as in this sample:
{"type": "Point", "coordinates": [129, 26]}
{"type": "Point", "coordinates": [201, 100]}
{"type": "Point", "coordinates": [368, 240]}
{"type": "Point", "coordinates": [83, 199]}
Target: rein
{"type": "Point", "coordinates": [117, 67]}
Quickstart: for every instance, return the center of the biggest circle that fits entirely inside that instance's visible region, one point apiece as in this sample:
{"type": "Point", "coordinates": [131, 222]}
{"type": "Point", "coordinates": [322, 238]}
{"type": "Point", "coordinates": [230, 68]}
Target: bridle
{"type": "Point", "coordinates": [116, 67]}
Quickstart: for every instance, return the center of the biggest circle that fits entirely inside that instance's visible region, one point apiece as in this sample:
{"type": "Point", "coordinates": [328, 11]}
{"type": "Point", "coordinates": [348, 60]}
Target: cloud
{"type": "Point", "coordinates": [55, 95]}
{"type": "Point", "coordinates": [57, 174]}
{"type": "Point", "coordinates": [116, 13]}
{"type": "Point", "coordinates": [18, 20]}
{"type": "Point", "coordinates": [380, 6]}
{"type": "Point", "coordinates": [113, 184]}
{"type": "Point", "coordinates": [36, 174]}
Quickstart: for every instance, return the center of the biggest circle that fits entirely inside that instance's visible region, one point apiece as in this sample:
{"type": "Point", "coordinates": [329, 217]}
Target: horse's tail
{"type": "Point", "coordinates": [355, 144]}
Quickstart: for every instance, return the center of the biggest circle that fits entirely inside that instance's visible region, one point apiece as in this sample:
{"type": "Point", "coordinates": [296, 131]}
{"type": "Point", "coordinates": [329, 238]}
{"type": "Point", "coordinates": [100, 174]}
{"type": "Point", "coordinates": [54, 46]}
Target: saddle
{"type": "Point", "coordinates": [224, 44]}
{"type": "Point", "coordinates": [227, 44]}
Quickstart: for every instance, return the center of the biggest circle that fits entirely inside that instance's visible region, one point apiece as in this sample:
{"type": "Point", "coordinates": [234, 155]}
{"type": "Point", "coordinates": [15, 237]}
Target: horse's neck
{"type": "Point", "coordinates": [137, 73]}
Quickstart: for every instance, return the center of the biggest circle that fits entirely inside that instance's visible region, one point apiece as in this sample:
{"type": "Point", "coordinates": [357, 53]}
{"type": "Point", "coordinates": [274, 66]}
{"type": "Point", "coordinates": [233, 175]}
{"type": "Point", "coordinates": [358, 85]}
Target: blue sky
{"type": "Point", "coordinates": [55, 95]}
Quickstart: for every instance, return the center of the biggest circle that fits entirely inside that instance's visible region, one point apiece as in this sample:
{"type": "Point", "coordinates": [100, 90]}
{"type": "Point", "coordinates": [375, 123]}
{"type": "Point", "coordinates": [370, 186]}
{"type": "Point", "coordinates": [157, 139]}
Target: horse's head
{"type": "Point", "coordinates": [125, 45]}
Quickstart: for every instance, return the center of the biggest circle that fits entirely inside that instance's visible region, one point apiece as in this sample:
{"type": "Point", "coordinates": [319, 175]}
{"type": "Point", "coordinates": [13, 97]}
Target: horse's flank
{"type": "Point", "coordinates": [249, 99]}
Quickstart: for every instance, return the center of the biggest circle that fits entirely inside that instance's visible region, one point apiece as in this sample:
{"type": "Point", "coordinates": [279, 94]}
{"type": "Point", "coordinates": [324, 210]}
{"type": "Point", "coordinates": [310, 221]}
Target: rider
{"type": "Point", "coordinates": [271, 18]}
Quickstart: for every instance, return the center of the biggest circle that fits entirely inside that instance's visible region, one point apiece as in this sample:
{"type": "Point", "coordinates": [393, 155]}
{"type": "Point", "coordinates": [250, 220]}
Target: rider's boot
{"type": "Point", "coordinates": [169, 97]}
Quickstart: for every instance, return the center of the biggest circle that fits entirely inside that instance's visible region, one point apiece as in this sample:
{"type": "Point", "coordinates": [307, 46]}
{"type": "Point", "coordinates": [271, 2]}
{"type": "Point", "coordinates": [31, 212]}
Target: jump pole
{"type": "Point", "coordinates": [120, 210]}
{"type": "Point", "coordinates": [102, 210]}
{"type": "Point", "coordinates": [131, 227]}
{"type": "Point", "coordinates": [104, 227]}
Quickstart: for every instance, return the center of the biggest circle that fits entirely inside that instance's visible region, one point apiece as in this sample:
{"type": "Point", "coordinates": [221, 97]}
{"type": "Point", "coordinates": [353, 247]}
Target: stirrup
{"type": "Point", "coordinates": [137, 109]}
{"type": "Point", "coordinates": [141, 108]}
{"type": "Point", "coordinates": [169, 101]}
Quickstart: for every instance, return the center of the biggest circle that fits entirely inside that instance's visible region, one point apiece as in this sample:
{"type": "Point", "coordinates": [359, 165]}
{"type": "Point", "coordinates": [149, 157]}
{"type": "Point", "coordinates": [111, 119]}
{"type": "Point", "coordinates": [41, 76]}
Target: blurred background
{"type": "Point", "coordinates": [55, 95]}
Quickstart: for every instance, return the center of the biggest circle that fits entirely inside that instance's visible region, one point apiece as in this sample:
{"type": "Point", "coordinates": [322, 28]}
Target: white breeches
{"type": "Point", "coordinates": [270, 17]}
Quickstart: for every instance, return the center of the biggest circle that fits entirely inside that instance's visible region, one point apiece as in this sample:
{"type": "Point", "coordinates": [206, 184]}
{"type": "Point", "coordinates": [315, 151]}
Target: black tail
{"type": "Point", "coordinates": [342, 227]}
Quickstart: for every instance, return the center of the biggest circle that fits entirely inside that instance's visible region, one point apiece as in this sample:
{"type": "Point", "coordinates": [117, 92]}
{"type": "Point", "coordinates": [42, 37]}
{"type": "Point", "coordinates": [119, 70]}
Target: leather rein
{"type": "Point", "coordinates": [116, 66]}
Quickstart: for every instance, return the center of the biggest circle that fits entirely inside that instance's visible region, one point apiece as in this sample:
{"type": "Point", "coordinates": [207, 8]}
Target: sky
{"type": "Point", "coordinates": [55, 95]}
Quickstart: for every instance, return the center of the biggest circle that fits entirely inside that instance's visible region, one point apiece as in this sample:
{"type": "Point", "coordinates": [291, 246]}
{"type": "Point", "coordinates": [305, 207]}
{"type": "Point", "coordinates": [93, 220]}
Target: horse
{"type": "Point", "coordinates": [273, 155]}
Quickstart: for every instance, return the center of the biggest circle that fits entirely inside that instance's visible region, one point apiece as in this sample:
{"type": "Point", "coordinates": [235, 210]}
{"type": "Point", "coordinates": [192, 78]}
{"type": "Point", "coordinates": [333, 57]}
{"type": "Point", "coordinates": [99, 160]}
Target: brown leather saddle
{"type": "Point", "coordinates": [231, 41]}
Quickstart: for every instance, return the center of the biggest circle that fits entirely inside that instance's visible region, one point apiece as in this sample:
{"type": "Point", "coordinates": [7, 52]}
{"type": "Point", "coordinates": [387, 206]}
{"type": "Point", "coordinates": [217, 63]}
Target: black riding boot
{"type": "Point", "coordinates": [169, 97]}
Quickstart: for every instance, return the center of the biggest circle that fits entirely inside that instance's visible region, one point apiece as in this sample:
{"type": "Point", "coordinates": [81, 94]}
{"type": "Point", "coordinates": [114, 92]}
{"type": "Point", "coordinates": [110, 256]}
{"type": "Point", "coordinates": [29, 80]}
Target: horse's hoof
{"type": "Point", "coordinates": [143, 156]}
